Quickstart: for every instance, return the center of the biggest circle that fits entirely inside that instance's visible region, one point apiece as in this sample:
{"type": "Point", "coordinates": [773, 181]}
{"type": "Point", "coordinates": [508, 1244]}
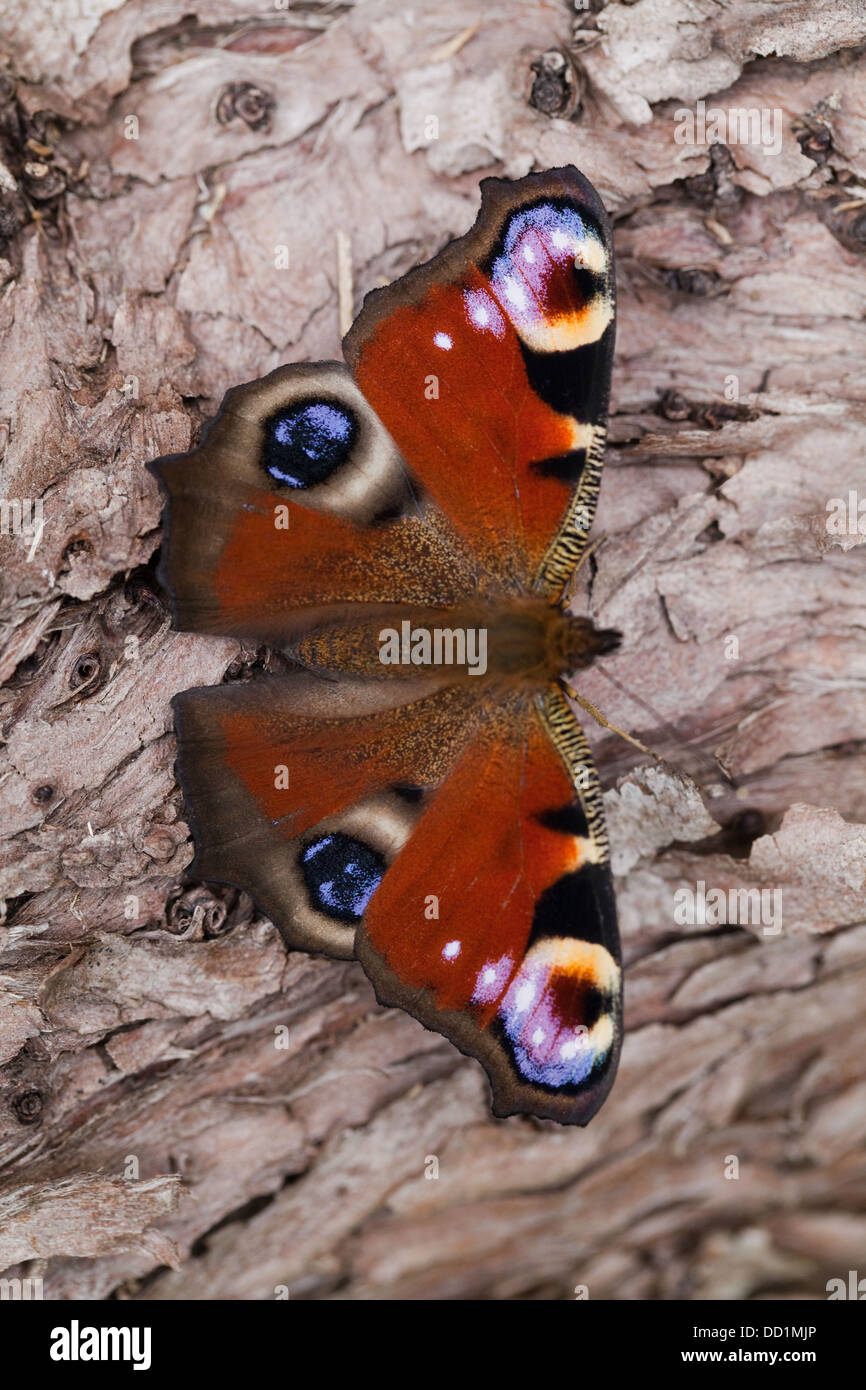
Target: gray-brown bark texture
{"type": "Point", "coordinates": [186, 1109]}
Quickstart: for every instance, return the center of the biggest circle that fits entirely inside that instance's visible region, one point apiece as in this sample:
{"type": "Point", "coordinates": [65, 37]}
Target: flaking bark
{"type": "Point", "coordinates": [185, 1109]}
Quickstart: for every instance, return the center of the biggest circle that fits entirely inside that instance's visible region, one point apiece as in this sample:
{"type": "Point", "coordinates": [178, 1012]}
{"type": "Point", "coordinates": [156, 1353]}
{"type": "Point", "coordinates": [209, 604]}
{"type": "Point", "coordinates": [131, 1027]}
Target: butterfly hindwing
{"type": "Point", "coordinates": [271, 768]}
{"type": "Point", "coordinates": [296, 503]}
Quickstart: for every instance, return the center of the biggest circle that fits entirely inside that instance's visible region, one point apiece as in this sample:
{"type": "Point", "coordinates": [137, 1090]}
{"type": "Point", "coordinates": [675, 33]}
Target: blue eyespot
{"type": "Point", "coordinates": [341, 875]}
{"type": "Point", "coordinates": [305, 443]}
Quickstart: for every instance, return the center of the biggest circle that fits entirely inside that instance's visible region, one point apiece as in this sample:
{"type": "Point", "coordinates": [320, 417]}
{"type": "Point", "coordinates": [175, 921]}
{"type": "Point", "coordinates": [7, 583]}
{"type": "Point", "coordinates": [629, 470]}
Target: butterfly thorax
{"type": "Point", "coordinates": [523, 642]}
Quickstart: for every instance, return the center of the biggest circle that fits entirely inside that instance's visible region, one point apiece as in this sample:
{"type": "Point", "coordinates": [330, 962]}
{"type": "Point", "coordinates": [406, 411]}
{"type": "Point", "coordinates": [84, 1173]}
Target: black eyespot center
{"type": "Point", "coordinates": [341, 874]}
{"type": "Point", "coordinates": [308, 441]}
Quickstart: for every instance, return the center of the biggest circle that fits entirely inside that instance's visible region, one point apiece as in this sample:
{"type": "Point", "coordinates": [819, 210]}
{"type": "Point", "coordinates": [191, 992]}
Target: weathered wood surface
{"type": "Point", "coordinates": [155, 1138]}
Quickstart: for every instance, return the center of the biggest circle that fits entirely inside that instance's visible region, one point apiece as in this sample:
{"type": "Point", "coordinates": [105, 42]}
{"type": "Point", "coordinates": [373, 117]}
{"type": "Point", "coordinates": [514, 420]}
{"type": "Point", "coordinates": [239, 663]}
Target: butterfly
{"type": "Point", "coordinates": [414, 790]}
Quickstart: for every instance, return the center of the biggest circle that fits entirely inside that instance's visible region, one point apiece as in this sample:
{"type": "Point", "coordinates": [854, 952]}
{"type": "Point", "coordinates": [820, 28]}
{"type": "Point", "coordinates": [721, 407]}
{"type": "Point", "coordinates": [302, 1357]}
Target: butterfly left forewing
{"type": "Point", "coordinates": [490, 367]}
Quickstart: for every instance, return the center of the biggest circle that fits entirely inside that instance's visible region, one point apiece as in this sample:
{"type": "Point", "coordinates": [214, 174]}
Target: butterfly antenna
{"type": "Point", "coordinates": [605, 723]}
{"type": "Point", "coordinates": [677, 521]}
{"type": "Point", "coordinates": [713, 765]}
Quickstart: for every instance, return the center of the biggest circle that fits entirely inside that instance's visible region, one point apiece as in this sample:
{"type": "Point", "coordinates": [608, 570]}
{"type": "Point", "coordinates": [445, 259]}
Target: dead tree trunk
{"type": "Point", "coordinates": [157, 1137]}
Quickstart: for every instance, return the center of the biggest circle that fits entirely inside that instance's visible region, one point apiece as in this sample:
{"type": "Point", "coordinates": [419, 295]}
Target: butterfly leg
{"type": "Point", "coordinates": [569, 588]}
{"type": "Point", "coordinates": [605, 723]}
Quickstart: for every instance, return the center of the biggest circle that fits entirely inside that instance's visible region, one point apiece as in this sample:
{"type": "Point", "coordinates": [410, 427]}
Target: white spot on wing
{"type": "Point", "coordinates": [515, 293]}
{"type": "Point", "coordinates": [524, 996]}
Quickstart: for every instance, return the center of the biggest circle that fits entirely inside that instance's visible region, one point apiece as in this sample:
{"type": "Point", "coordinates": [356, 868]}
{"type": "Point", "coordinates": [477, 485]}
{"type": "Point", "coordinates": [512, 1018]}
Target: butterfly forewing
{"type": "Point", "coordinates": [496, 925]}
{"type": "Point", "coordinates": [490, 367]}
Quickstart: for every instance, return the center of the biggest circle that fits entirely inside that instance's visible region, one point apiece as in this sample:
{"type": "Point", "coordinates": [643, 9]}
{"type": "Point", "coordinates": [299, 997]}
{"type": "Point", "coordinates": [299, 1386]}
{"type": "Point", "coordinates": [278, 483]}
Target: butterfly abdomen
{"type": "Point", "coordinates": [520, 642]}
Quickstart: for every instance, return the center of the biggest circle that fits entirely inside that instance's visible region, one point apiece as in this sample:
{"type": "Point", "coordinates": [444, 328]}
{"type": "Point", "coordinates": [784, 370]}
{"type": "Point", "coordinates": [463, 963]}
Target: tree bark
{"type": "Point", "coordinates": [187, 1110]}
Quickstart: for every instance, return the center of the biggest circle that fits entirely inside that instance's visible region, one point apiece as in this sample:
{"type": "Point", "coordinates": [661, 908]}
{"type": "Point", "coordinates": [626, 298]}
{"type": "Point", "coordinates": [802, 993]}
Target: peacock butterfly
{"type": "Point", "coordinates": [416, 792]}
